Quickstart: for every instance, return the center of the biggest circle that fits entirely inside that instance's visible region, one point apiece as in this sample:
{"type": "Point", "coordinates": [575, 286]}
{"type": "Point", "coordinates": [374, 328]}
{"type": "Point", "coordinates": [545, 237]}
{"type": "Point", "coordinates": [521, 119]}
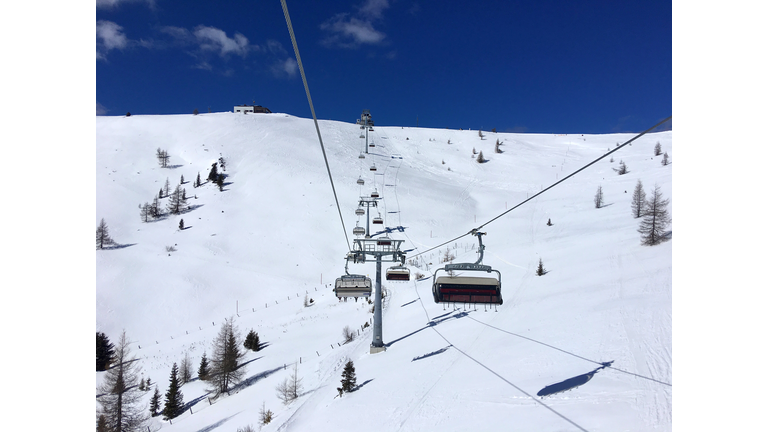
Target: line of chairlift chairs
{"type": "Point", "coordinates": [445, 289]}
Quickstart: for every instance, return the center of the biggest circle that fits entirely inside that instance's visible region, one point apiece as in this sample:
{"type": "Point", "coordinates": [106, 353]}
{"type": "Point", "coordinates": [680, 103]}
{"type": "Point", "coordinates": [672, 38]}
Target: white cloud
{"type": "Point", "coordinates": [213, 39]}
{"type": "Point", "coordinates": [100, 109]}
{"type": "Point", "coordinates": [351, 32]}
{"type": "Point", "coordinates": [109, 4]}
{"type": "Point", "coordinates": [285, 68]}
{"type": "Point", "coordinates": [109, 36]}
{"type": "Point", "coordinates": [374, 9]}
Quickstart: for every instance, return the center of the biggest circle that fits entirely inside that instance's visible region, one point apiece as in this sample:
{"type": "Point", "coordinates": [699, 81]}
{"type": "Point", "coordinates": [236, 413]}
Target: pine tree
{"type": "Point", "coordinates": [638, 200]}
{"type": "Point", "coordinates": [655, 219]}
{"type": "Point", "coordinates": [185, 369]}
{"type": "Point", "coordinates": [498, 148]}
{"type": "Point", "coordinates": [101, 424]}
{"type": "Point", "coordinates": [181, 225]}
{"type": "Point", "coordinates": [225, 370]}
{"type": "Point", "coordinates": [154, 208]}
{"type": "Point", "coordinates": [622, 169]}
{"type": "Point", "coordinates": [348, 379]}
{"type": "Point", "coordinates": [657, 149]}
{"type": "Point", "coordinates": [146, 212]}
{"type": "Point", "coordinates": [167, 187]}
{"type": "Point", "coordinates": [177, 202]}
{"type": "Point", "coordinates": [213, 175]}
{"type": "Point", "coordinates": [120, 396]}
{"type": "Point", "coordinates": [154, 403]}
{"type": "Point", "coordinates": [182, 179]}
{"type": "Point", "coordinates": [105, 350]}
{"type": "Point", "coordinates": [665, 160]}
{"type": "Point", "coordinates": [149, 382]}
{"type": "Point", "coordinates": [102, 235]}
{"type": "Point", "coordinates": [142, 384]}
{"type": "Point", "coordinates": [220, 182]}
{"type": "Point", "coordinates": [203, 371]}
{"type": "Point", "coordinates": [252, 341]}
{"type": "Point", "coordinates": [480, 158]}
{"type": "Point", "coordinates": [174, 399]}
{"type": "Point", "coordinates": [541, 271]}
{"type": "Point", "coordinates": [599, 197]}
{"type": "Point", "coordinates": [549, 222]}
{"type": "Point", "coordinates": [197, 181]}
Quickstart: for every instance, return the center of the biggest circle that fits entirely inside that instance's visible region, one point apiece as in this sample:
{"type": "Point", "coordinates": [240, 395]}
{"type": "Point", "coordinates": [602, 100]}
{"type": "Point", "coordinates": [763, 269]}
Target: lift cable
{"type": "Point", "coordinates": [552, 185]}
{"type": "Point", "coordinates": [314, 117]}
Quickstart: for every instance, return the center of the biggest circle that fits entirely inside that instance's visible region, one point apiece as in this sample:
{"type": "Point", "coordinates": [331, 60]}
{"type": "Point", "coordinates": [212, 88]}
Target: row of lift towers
{"type": "Point", "coordinates": [445, 289]}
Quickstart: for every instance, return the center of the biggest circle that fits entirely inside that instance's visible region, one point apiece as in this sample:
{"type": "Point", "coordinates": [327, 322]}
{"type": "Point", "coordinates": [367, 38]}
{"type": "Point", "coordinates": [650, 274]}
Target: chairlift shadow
{"type": "Point", "coordinates": [254, 379]}
{"type": "Point", "coordinates": [194, 402]}
{"type": "Point", "coordinates": [118, 246]}
{"type": "Point", "coordinates": [432, 323]}
{"type": "Point", "coordinates": [571, 383]}
{"type": "Point", "coordinates": [213, 426]}
{"type": "Point", "coordinates": [440, 351]}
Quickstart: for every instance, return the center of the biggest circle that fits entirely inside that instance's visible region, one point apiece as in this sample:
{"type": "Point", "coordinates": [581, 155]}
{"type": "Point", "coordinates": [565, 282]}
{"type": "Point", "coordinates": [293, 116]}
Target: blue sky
{"type": "Point", "coordinates": [517, 66]}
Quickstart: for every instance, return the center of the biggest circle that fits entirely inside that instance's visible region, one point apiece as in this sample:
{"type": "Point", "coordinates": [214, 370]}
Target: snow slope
{"type": "Point", "coordinates": [254, 250]}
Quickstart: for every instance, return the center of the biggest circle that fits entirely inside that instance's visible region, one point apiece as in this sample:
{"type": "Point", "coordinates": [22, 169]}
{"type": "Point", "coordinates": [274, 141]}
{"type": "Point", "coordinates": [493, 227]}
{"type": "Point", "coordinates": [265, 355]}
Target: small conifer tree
{"type": "Point", "coordinates": [181, 225]}
{"type": "Point", "coordinates": [214, 173]}
{"type": "Point", "coordinates": [541, 271]}
{"type": "Point", "coordinates": [480, 158]}
{"type": "Point", "coordinates": [348, 379]}
{"type": "Point", "coordinates": [174, 399]}
{"type": "Point", "coordinates": [154, 403]}
{"type": "Point", "coordinates": [203, 370]}
{"type": "Point", "coordinates": [102, 235]}
{"type": "Point", "coordinates": [665, 159]}
{"type": "Point", "coordinates": [105, 350]}
{"type": "Point", "coordinates": [657, 149]}
{"type": "Point", "coordinates": [252, 341]}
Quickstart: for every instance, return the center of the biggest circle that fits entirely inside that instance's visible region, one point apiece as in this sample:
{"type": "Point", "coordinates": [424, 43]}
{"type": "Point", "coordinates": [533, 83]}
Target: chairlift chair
{"type": "Point", "coordinates": [378, 220]}
{"type": "Point", "coordinates": [360, 212]}
{"type": "Point", "coordinates": [358, 231]}
{"type": "Point", "coordinates": [360, 181]}
{"type": "Point", "coordinates": [353, 286]}
{"type": "Point", "coordinates": [373, 167]}
{"type": "Point", "coordinates": [398, 273]}
{"type": "Point", "coordinates": [374, 194]}
{"type": "Point", "coordinates": [362, 156]}
{"type": "Point", "coordinates": [468, 289]}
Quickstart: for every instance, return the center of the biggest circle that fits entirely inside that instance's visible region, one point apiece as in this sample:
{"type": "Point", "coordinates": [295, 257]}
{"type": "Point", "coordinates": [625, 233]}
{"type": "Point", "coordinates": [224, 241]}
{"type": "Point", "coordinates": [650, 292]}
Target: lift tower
{"type": "Point", "coordinates": [381, 249]}
{"type": "Point", "coordinates": [366, 122]}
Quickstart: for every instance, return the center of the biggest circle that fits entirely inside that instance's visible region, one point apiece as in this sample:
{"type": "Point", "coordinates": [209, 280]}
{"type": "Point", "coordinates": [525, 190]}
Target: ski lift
{"type": "Point", "coordinates": [374, 194]}
{"type": "Point", "coordinates": [371, 145]}
{"type": "Point", "coordinates": [378, 220]}
{"type": "Point", "coordinates": [398, 273]}
{"type": "Point", "coordinates": [362, 156]}
{"type": "Point", "coordinates": [468, 289]}
{"type": "Point", "coordinates": [370, 129]}
{"type": "Point", "coordinates": [353, 286]}
{"type": "Point", "coordinates": [373, 167]}
{"type": "Point", "coordinates": [358, 231]}
{"type": "Point", "coordinates": [360, 212]}
{"type": "Point", "coordinates": [361, 135]}
{"type": "Point", "coordinates": [360, 181]}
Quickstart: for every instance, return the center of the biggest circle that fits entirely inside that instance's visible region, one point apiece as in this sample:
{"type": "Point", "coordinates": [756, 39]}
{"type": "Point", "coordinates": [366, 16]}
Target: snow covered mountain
{"type": "Point", "coordinates": [273, 235]}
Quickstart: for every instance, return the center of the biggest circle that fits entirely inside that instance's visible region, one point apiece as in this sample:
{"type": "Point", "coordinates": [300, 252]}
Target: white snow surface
{"type": "Point", "coordinates": [253, 251]}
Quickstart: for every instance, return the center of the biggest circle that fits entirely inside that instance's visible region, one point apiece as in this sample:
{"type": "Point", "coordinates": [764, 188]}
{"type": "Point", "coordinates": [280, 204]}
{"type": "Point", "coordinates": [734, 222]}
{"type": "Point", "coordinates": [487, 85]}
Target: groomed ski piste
{"type": "Point", "coordinates": [253, 251]}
